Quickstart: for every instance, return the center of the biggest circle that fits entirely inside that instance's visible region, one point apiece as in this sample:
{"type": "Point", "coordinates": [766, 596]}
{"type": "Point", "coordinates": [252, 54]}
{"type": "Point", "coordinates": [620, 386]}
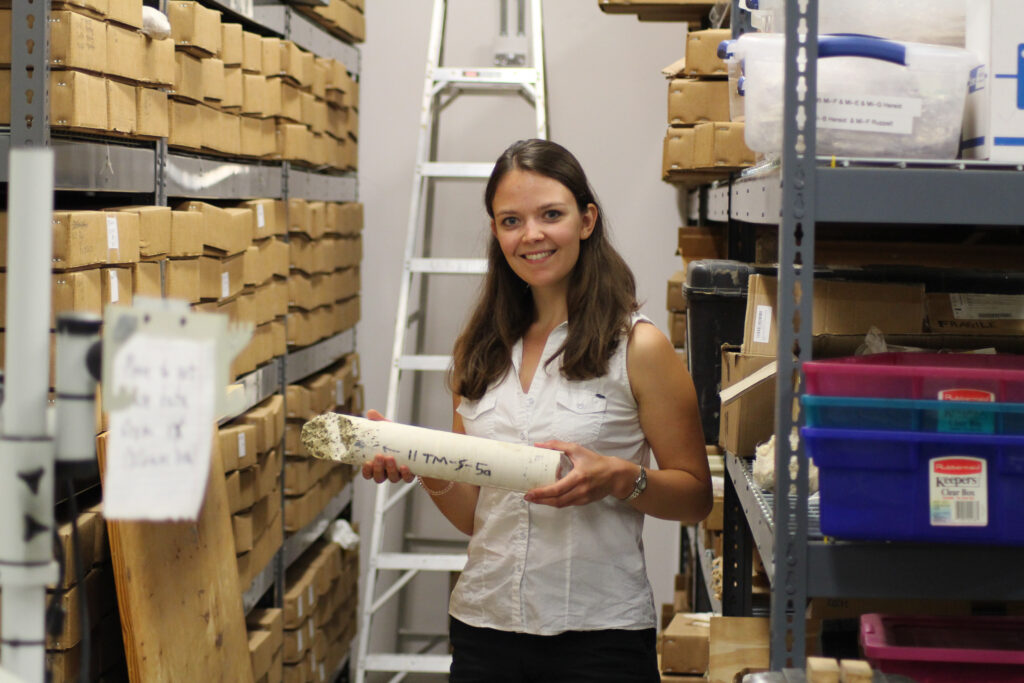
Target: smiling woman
{"type": "Point", "coordinates": [557, 355]}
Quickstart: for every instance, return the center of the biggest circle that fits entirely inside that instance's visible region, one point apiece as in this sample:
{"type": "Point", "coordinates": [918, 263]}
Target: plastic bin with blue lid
{"type": "Point", "coordinates": [997, 378]}
{"type": "Point", "coordinates": [906, 414]}
{"type": "Point", "coordinates": [919, 486]}
{"type": "Point", "coordinates": [876, 98]}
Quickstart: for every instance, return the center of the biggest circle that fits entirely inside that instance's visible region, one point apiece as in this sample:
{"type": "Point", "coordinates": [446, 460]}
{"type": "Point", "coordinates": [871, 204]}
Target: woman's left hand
{"type": "Point", "coordinates": [593, 477]}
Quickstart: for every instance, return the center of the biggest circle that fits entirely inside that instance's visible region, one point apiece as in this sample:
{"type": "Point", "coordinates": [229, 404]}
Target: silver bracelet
{"type": "Point", "coordinates": [432, 492]}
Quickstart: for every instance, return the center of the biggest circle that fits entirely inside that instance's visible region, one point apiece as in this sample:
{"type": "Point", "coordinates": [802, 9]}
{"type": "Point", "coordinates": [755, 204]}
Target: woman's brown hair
{"type": "Point", "coordinates": [601, 297]}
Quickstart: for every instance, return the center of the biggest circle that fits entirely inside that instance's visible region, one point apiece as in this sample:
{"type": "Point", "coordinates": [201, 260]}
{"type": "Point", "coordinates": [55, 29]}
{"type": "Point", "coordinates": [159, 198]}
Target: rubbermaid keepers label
{"type": "Point", "coordinates": [958, 491]}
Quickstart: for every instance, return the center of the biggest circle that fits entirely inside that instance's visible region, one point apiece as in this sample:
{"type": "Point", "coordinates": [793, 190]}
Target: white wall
{"type": "Point", "coordinates": [606, 103]}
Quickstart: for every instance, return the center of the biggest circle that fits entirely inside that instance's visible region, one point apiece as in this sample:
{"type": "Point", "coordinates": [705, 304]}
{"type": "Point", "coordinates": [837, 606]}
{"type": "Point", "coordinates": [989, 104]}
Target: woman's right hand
{"type": "Point", "coordinates": [383, 467]}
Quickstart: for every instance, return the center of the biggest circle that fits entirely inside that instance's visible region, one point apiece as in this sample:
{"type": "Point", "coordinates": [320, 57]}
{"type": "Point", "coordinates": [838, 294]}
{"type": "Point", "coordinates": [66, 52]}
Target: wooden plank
{"type": "Point", "coordinates": [178, 593]}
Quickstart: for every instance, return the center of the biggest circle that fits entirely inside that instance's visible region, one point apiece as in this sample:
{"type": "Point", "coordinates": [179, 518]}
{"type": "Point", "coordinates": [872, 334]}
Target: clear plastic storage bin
{"type": "Point", "coordinates": [939, 22]}
{"type": "Point", "coordinates": [876, 98]}
{"type": "Point", "coordinates": [957, 417]}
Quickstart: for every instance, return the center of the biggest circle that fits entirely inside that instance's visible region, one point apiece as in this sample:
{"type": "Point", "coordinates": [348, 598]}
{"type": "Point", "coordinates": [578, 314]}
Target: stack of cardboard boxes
{"type": "Point", "coordinates": [311, 483]}
{"type": "Point", "coordinates": [106, 75]}
{"type": "Point", "coordinates": [702, 144]}
{"type": "Point", "coordinates": [236, 93]}
{"type": "Point", "coordinates": [319, 618]}
{"type": "Point", "coordinates": [325, 247]}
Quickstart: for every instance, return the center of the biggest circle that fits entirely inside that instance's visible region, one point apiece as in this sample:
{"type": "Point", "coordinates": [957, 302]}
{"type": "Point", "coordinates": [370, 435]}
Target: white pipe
{"type": "Point", "coordinates": [29, 255]}
{"type": "Point", "coordinates": [435, 453]}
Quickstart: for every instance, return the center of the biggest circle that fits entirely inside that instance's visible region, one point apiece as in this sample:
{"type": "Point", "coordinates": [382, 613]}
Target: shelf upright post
{"type": "Point", "coordinates": [737, 557]}
{"type": "Point", "coordinates": [795, 294]}
{"type": "Point", "coordinates": [30, 74]}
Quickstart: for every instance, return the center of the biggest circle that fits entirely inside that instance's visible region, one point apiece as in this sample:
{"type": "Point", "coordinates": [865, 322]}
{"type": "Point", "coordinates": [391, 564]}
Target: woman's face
{"type": "Point", "coordinates": [539, 227]}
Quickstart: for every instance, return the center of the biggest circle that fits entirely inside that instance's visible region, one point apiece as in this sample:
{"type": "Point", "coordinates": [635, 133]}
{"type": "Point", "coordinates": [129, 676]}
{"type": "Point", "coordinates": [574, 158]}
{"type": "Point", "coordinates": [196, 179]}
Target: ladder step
{"type": "Point", "coordinates": [456, 169]}
{"type": "Point", "coordinates": [487, 76]}
{"type": "Point", "coordinates": [435, 363]}
{"type": "Point", "coordinates": [424, 561]}
{"type": "Point", "coordinates": [437, 664]}
{"type": "Point", "coordinates": [449, 266]}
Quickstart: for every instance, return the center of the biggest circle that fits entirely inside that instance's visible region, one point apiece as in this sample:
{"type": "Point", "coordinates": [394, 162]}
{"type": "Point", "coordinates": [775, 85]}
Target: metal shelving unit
{"type": "Point", "coordinates": [795, 195]}
{"type": "Point", "coordinates": [704, 557]}
{"type": "Point", "coordinates": [304, 362]}
{"type": "Point", "coordinates": [211, 178]}
{"type": "Point", "coordinates": [91, 166]}
{"type": "Point", "coordinates": [299, 542]}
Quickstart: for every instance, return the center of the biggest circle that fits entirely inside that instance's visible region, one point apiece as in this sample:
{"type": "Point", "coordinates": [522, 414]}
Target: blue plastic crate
{"type": "Point", "coordinates": [967, 417]}
{"type": "Point", "coordinates": [919, 486]}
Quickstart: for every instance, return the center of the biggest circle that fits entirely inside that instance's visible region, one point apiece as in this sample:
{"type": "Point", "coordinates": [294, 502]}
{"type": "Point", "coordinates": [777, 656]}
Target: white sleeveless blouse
{"type": "Point", "coordinates": [537, 569]}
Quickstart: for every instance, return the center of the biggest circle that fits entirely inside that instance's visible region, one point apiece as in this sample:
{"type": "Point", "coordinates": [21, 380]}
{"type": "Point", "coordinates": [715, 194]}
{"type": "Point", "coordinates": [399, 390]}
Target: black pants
{"type": "Point", "coordinates": [483, 655]}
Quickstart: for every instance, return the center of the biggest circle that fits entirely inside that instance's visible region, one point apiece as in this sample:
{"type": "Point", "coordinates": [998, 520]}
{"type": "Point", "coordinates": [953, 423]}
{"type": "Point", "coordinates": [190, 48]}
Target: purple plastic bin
{"type": "Point", "coordinates": [945, 649]}
{"type": "Point", "coordinates": [930, 376]}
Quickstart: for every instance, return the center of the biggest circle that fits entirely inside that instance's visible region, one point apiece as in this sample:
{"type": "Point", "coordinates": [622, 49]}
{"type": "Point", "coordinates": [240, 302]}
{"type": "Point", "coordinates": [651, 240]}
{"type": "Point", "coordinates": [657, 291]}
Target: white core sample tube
{"type": "Point", "coordinates": [435, 453]}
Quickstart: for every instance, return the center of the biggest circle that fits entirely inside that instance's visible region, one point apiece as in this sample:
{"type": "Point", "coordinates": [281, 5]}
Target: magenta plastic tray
{"type": "Point", "coordinates": [945, 649]}
{"type": "Point", "coordinates": [931, 376]}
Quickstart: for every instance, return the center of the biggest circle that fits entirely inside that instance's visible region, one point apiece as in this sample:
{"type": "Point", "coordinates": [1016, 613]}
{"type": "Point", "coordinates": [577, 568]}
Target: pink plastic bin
{"type": "Point", "coordinates": [930, 376]}
{"type": "Point", "coordinates": [945, 649]}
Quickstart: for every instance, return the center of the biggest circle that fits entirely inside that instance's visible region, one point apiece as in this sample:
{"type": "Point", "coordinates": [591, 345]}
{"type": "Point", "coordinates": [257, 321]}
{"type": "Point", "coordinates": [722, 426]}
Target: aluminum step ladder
{"type": "Point", "coordinates": [441, 85]}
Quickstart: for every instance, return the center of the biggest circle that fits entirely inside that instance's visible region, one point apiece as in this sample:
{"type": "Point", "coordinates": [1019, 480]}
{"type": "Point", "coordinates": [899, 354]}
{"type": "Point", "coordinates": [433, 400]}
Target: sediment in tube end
{"type": "Point", "coordinates": [328, 437]}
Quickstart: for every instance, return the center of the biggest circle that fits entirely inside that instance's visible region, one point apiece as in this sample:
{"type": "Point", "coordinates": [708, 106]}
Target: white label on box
{"type": "Point", "coordinates": [241, 445]}
{"type": "Point", "coordinates": [299, 636]}
{"type": "Point", "coordinates": [114, 294]}
{"type": "Point", "coordinates": [112, 242]}
{"type": "Point", "coordinates": [762, 324]}
{"type": "Point", "coordinates": [958, 491]}
{"type": "Point", "coordinates": [260, 218]}
{"type": "Point", "coordinates": [869, 113]}
{"type": "Point", "coordinates": [987, 306]}
{"type": "Point", "coordinates": [300, 607]}
{"type": "Point", "coordinates": [323, 674]}
{"type": "Point", "coordinates": [225, 285]}
{"type": "Point", "coordinates": [310, 622]}
{"type": "Point", "coordinates": [339, 392]}
{"type": "Point", "coordinates": [310, 595]}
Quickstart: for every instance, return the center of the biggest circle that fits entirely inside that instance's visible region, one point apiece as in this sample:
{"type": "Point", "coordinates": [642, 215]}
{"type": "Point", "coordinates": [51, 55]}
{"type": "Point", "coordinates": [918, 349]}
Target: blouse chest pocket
{"type": "Point", "coordinates": [581, 412]}
{"type": "Point", "coordinates": [478, 416]}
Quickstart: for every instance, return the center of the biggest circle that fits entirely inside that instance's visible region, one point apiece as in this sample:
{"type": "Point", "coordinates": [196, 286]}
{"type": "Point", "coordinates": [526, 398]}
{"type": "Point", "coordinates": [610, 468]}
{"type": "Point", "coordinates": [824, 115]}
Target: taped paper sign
{"type": "Point", "coordinates": [158, 458]}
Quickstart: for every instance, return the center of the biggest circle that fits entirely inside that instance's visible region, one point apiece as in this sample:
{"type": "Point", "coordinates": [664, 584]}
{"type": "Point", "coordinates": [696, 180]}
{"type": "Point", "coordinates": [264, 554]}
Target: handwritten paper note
{"type": "Point", "coordinates": [158, 458]}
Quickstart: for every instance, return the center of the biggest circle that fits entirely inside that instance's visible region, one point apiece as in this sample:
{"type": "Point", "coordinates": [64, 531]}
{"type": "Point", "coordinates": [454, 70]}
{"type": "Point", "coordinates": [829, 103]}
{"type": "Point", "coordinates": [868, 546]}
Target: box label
{"type": "Point", "coordinates": [112, 242]}
{"type": "Point", "coordinates": [241, 446]}
{"type": "Point", "coordinates": [261, 219]}
{"type": "Point", "coordinates": [762, 324]}
{"type": "Point", "coordinates": [987, 306]}
{"type": "Point", "coordinates": [869, 113]}
{"type": "Point", "coordinates": [114, 294]}
{"type": "Point", "coordinates": [339, 392]}
{"type": "Point", "coordinates": [958, 491]}
{"type": "Point", "coordinates": [225, 285]}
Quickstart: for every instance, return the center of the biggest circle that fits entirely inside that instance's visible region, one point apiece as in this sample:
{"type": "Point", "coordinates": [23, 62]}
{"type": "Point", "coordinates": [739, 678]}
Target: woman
{"type": "Point", "coordinates": [556, 355]}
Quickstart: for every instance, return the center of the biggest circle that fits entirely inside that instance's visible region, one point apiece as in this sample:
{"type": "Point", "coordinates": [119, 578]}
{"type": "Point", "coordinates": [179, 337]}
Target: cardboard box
{"type": "Point", "coordinates": [185, 127]}
{"type": "Point", "coordinates": [85, 238]}
{"type": "Point", "coordinates": [293, 142]}
{"type": "Point", "coordinates": [292, 63]}
{"type": "Point", "coordinates": [252, 52]}
{"type": "Point", "coordinates": [127, 12]}
{"type": "Point", "coordinates": [976, 313]}
{"type": "Point", "coordinates": [154, 228]}
{"type": "Point", "coordinates": [232, 99]}
{"type": "Point", "coordinates": [675, 300]}
{"type": "Point", "coordinates": [231, 44]}
{"type": "Point", "coordinates": [253, 91]}
{"type": "Point", "coordinates": [691, 100]}
{"type": "Point", "coordinates": [702, 52]}
{"type": "Point", "coordinates": [122, 110]}
{"type": "Point", "coordinates": [186, 237]}
{"type": "Point", "coordinates": [750, 418]}
{"type": "Point", "coordinates": [839, 308]}
{"type": "Point", "coordinates": [242, 221]}
{"type": "Point", "coordinates": [77, 42]}
{"type": "Point", "coordinates": [720, 145]}
{"type": "Point", "coordinates": [271, 56]}
{"type": "Point", "coordinates": [291, 102]}
{"type": "Point", "coordinates": [220, 279]}
{"type": "Point", "coordinates": [223, 231]}
{"type": "Point", "coordinates": [993, 120]}
{"type": "Point", "coordinates": [188, 77]}
{"type": "Point", "coordinates": [212, 79]}
{"type": "Point", "coordinates": [241, 523]}
{"type": "Point", "coordinates": [146, 279]}
{"type": "Point", "coordinates": [153, 113]}
{"type": "Point", "coordinates": [195, 27]}
{"type": "Point", "coordinates": [268, 419]}
{"type": "Point", "coordinates": [182, 279]}
{"type": "Point", "coordinates": [116, 286]}
{"type": "Point", "coordinates": [78, 100]}
{"type": "Point", "coordinates": [158, 66]}
{"type": "Point", "coordinates": [126, 53]}
{"type": "Point", "coordinates": [678, 150]}
{"type": "Point", "coordinates": [684, 644]}
{"type": "Point", "coordinates": [272, 96]}
{"type": "Point", "coordinates": [76, 291]}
